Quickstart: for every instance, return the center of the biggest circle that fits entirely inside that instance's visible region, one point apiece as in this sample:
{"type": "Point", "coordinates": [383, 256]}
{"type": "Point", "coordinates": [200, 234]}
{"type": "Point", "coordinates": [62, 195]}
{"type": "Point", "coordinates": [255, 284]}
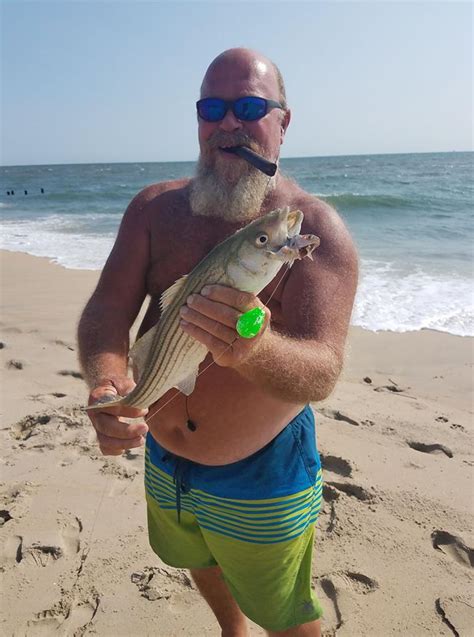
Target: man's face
{"type": "Point", "coordinates": [229, 81]}
{"type": "Point", "coordinates": [225, 185]}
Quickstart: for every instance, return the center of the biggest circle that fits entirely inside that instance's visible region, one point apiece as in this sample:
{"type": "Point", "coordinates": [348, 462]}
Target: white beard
{"type": "Point", "coordinates": [231, 191]}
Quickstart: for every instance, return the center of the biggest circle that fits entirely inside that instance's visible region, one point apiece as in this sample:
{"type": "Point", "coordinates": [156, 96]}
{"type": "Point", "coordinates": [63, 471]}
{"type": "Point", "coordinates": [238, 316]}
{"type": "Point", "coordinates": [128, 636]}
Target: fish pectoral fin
{"type": "Point", "coordinates": [169, 295]}
{"type": "Point", "coordinates": [186, 385]}
{"type": "Point", "coordinates": [140, 350]}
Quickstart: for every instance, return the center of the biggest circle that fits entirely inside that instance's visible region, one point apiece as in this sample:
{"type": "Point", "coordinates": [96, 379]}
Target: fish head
{"type": "Point", "coordinates": [268, 242]}
{"type": "Point", "coordinates": [276, 236]}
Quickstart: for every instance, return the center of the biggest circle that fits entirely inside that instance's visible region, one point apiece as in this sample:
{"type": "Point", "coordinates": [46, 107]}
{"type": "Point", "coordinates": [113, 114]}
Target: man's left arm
{"type": "Point", "coordinates": [301, 361]}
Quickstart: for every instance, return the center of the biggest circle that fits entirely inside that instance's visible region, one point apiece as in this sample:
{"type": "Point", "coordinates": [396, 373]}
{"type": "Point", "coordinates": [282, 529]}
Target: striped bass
{"type": "Point", "coordinates": [248, 260]}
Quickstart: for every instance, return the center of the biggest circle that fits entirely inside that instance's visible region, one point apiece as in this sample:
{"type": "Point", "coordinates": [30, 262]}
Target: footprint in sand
{"type": "Point", "coordinates": [352, 490]}
{"type": "Point", "coordinates": [14, 364]}
{"type": "Point", "coordinates": [27, 426]}
{"type": "Point", "coordinates": [40, 555]}
{"type": "Point", "coordinates": [43, 553]}
{"type": "Point", "coordinates": [63, 344]}
{"type": "Point", "coordinates": [42, 397]}
{"type": "Point", "coordinates": [335, 464]}
{"type": "Point", "coordinates": [454, 546]}
{"type": "Point", "coordinates": [70, 533]}
{"type": "Point", "coordinates": [392, 388]}
{"type": "Point", "coordinates": [160, 582]}
{"type": "Point", "coordinates": [330, 495]}
{"type": "Point", "coordinates": [457, 612]}
{"type": "Point", "coordinates": [334, 414]}
{"type": "Point", "coordinates": [337, 592]}
{"type": "Point", "coordinates": [432, 448]}
{"type": "Point", "coordinates": [69, 372]}
{"type": "Point", "coordinates": [67, 617]}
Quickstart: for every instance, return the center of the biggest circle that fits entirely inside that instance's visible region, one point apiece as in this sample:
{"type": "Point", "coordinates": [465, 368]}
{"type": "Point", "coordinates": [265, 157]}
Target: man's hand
{"type": "Point", "coordinates": [210, 317]}
{"type": "Point", "coordinates": [114, 435]}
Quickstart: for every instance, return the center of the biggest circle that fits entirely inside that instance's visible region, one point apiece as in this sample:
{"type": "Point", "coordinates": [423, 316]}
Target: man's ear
{"type": "Point", "coordinates": [284, 124]}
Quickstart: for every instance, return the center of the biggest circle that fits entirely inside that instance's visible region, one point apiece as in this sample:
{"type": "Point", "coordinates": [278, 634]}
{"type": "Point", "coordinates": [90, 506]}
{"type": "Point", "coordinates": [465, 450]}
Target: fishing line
{"type": "Point", "coordinates": [86, 550]}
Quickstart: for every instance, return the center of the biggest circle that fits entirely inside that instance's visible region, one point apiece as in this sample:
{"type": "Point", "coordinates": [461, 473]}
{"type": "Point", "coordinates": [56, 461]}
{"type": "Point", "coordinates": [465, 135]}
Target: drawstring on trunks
{"type": "Point", "coordinates": [180, 478]}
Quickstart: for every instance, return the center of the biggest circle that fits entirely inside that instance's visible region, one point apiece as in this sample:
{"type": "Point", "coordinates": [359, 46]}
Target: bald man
{"type": "Point", "coordinates": [233, 476]}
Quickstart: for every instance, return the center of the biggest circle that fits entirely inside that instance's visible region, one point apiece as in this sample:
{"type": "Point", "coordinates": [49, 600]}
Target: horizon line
{"type": "Point", "coordinates": [189, 161]}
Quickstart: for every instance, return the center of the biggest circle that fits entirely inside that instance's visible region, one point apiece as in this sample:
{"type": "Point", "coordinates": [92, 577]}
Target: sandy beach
{"type": "Point", "coordinates": [393, 551]}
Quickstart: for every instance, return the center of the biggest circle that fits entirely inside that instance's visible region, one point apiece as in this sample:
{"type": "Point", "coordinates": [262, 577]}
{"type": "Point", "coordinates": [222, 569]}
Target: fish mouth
{"type": "Point", "coordinates": [298, 247]}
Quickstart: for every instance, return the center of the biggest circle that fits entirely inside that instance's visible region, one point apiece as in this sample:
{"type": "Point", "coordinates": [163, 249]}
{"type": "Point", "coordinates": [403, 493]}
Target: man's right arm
{"type": "Point", "coordinates": [103, 331]}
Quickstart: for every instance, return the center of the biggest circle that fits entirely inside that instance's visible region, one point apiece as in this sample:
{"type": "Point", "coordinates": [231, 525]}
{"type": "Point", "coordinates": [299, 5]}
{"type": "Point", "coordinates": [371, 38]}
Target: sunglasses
{"type": "Point", "coordinates": [246, 109]}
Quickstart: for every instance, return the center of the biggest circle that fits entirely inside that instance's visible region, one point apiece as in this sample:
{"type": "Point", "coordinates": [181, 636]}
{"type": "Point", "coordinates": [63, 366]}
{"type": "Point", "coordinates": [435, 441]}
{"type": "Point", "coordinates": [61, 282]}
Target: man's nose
{"type": "Point", "coordinates": [230, 122]}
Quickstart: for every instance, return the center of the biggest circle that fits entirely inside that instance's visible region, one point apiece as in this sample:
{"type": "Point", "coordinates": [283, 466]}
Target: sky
{"type": "Point", "coordinates": [117, 81]}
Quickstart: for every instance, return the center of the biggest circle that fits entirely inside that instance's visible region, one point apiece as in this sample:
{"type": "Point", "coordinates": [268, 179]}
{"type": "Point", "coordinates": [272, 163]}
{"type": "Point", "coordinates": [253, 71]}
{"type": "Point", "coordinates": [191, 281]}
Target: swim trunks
{"type": "Point", "coordinates": [254, 518]}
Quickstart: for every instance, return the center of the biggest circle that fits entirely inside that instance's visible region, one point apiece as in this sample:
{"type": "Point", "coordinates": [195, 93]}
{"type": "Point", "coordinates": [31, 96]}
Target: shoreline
{"type": "Point", "coordinates": [96, 272]}
{"type": "Point", "coordinates": [393, 541]}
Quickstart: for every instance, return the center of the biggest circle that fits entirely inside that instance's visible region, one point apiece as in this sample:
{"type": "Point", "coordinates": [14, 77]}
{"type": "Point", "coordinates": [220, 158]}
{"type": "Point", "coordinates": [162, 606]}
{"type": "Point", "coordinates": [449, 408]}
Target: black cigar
{"type": "Point", "coordinates": [267, 167]}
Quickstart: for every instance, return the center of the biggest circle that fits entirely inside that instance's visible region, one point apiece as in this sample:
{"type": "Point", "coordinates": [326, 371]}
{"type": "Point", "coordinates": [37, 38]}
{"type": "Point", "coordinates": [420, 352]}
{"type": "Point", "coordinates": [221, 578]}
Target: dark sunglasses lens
{"type": "Point", "coordinates": [250, 108]}
{"type": "Point", "coordinates": [211, 109]}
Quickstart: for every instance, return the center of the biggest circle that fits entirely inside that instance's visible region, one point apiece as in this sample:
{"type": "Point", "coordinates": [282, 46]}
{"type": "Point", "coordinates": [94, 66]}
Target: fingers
{"type": "Point", "coordinates": [225, 314]}
{"type": "Point", "coordinates": [211, 317]}
{"type": "Point", "coordinates": [112, 427]}
{"type": "Point", "coordinates": [241, 301]}
{"type": "Point", "coordinates": [122, 410]}
{"type": "Point", "coordinates": [213, 343]}
{"type": "Point", "coordinates": [209, 325]}
{"type": "Point", "coordinates": [114, 435]}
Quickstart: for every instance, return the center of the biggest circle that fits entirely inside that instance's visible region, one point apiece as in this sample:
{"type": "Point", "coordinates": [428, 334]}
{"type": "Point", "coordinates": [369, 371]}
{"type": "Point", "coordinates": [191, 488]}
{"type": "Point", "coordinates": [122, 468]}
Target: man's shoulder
{"type": "Point", "coordinates": [151, 196]}
{"type": "Point", "coordinates": [323, 220]}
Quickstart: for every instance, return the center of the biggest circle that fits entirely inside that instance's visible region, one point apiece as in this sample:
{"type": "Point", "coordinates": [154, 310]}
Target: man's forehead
{"type": "Point", "coordinates": [235, 70]}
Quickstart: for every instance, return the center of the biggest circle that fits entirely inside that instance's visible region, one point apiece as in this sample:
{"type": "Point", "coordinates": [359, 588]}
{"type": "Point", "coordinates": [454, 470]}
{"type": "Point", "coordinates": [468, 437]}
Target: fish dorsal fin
{"type": "Point", "coordinates": [140, 350]}
{"type": "Point", "coordinates": [172, 292]}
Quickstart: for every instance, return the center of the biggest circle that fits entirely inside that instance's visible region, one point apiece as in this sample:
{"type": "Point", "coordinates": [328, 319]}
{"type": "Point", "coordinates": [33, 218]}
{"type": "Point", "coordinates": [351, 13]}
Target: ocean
{"type": "Point", "coordinates": [410, 215]}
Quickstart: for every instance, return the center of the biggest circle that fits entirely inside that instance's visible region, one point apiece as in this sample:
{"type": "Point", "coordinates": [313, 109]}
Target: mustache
{"type": "Point", "coordinates": [221, 139]}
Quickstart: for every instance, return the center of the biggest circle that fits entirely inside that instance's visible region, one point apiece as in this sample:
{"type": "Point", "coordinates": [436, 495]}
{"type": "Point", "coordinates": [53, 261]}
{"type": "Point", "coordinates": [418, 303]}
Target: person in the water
{"type": "Point", "coordinates": [233, 476]}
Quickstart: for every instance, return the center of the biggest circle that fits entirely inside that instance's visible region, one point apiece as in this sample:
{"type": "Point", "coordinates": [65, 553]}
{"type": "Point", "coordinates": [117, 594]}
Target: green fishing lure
{"type": "Point", "coordinates": [250, 323]}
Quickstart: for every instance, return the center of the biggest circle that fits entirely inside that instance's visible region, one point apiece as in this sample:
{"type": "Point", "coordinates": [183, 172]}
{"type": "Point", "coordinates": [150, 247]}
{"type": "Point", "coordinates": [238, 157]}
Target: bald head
{"type": "Point", "coordinates": [244, 64]}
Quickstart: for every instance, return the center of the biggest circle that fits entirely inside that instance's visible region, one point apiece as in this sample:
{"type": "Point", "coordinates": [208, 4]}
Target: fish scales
{"type": "Point", "coordinates": [173, 337]}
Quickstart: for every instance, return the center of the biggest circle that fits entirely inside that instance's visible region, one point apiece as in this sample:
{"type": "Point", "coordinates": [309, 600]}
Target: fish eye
{"type": "Point", "coordinates": [261, 240]}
